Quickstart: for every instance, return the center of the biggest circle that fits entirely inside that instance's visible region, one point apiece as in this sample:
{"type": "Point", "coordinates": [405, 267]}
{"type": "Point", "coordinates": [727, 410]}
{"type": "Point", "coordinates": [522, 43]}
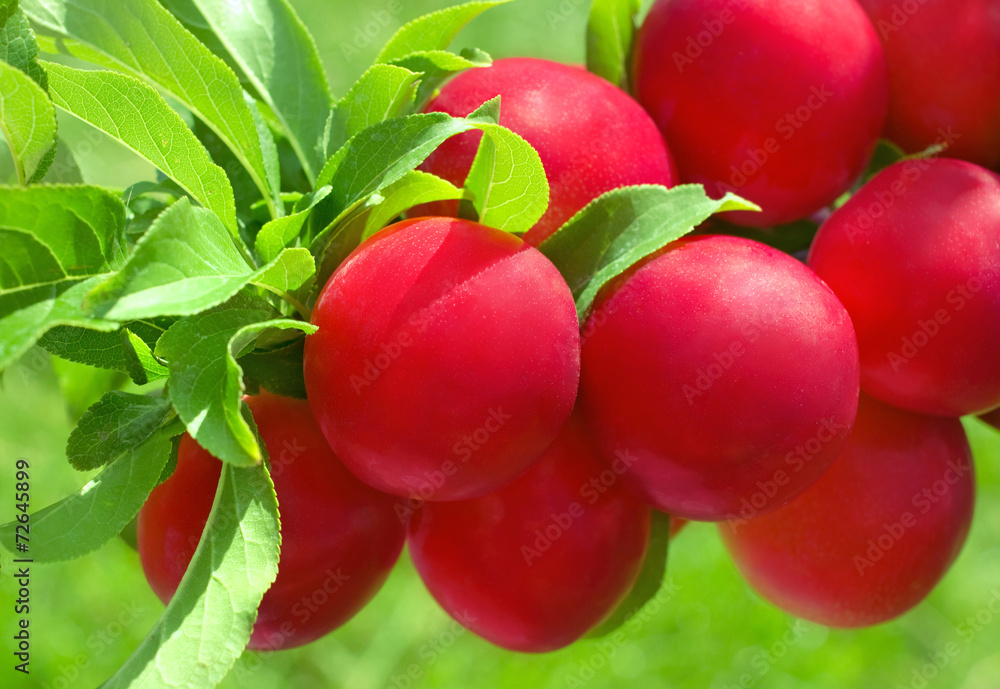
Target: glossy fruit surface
{"type": "Point", "coordinates": [915, 258]}
{"type": "Point", "coordinates": [781, 102]}
{"type": "Point", "coordinates": [446, 361]}
{"type": "Point", "coordinates": [540, 562]}
{"type": "Point", "coordinates": [591, 136]}
{"type": "Point", "coordinates": [877, 531]}
{"type": "Point", "coordinates": [339, 537]}
{"type": "Point", "coordinates": [728, 369]}
{"type": "Point", "coordinates": [944, 67]}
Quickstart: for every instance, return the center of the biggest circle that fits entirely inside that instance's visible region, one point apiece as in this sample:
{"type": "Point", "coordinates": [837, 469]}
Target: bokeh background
{"type": "Point", "coordinates": [706, 631]}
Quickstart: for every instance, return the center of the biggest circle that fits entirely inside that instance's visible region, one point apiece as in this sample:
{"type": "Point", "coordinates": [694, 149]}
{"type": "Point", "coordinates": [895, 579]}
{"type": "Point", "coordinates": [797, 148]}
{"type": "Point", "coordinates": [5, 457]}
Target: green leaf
{"type": "Point", "coordinates": [28, 123]}
{"type": "Point", "coordinates": [106, 350]}
{"type": "Point", "coordinates": [268, 150]}
{"type": "Point", "coordinates": [18, 47]}
{"type": "Point", "coordinates": [886, 154]}
{"type": "Point", "coordinates": [143, 38]}
{"type": "Point", "coordinates": [434, 31]}
{"type": "Point", "coordinates": [185, 263]}
{"type": "Point", "coordinates": [141, 366]}
{"type": "Point", "coordinates": [382, 92]}
{"type": "Point", "coordinates": [117, 424]}
{"type": "Point", "coordinates": [380, 156]}
{"type": "Point", "coordinates": [136, 115]}
{"type": "Point", "coordinates": [277, 54]}
{"type": "Point", "coordinates": [437, 66]}
{"type": "Point", "coordinates": [207, 623]}
{"type": "Point", "coordinates": [650, 580]}
{"type": "Point", "coordinates": [205, 380]}
{"type": "Point", "coordinates": [610, 32]}
{"type": "Point", "coordinates": [507, 182]}
{"type": "Point", "coordinates": [89, 518]}
{"type": "Point", "coordinates": [244, 187]}
{"type": "Point", "coordinates": [83, 226]}
{"type": "Point", "coordinates": [282, 232]}
{"type": "Point", "coordinates": [278, 371]}
{"type": "Point", "coordinates": [412, 190]}
{"type": "Point", "coordinates": [171, 465]}
{"type": "Point", "coordinates": [26, 315]}
{"type": "Point", "coordinates": [25, 261]}
{"type": "Point", "coordinates": [622, 227]}
{"type": "Point", "coordinates": [289, 271]}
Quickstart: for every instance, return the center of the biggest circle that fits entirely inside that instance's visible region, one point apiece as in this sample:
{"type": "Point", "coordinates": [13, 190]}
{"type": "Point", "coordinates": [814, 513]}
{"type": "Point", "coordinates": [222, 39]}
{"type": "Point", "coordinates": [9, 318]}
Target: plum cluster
{"type": "Point", "coordinates": [810, 408]}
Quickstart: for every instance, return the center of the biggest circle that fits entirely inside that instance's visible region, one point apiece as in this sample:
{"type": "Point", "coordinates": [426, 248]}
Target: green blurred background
{"type": "Point", "coordinates": [708, 631]}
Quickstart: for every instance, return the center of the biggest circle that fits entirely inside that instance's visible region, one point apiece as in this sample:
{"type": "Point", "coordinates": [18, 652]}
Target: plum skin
{"type": "Point", "coordinates": [780, 102]}
{"type": "Point", "coordinates": [876, 533]}
{"type": "Point", "coordinates": [944, 67]}
{"type": "Point", "coordinates": [340, 538]}
{"type": "Point", "coordinates": [915, 258]}
{"type": "Point", "coordinates": [447, 358]}
{"type": "Point", "coordinates": [537, 564]}
{"type": "Point", "coordinates": [728, 373]}
{"type": "Point", "coordinates": [591, 136]}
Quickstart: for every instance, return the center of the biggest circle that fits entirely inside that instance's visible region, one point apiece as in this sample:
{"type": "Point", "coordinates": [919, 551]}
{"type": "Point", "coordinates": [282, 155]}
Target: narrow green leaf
{"type": "Point", "coordinates": [107, 350]}
{"type": "Point", "coordinates": [205, 380]}
{"type": "Point", "coordinates": [61, 45]}
{"type": "Point", "coordinates": [650, 580]}
{"type": "Point", "coordinates": [624, 226]}
{"type": "Point", "coordinates": [83, 226]}
{"type": "Point", "coordinates": [141, 37]}
{"type": "Point", "coordinates": [610, 32]}
{"type": "Point", "coordinates": [277, 54]}
{"type": "Point", "coordinates": [25, 261]}
{"type": "Point", "coordinates": [382, 155]}
{"type": "Point", "coordinates": [207, 623]}
{"type": "Point", "coordinates": [117, 424]}
{"type": "Point", "coordinates": [136, 115]}
{"type": "Point", "coordinates": [26, 315]}
{"type": "Point", "coordinates": [437, 66]}
{"type": "Point", "coordinates": [171, 465]}
{"type": "Point", "coordinates": [382, 92]}
{"type": "Point", "coordinates": [434, 31]}
{"type": "Point", "coordinates": [282, 232]}
{"type": "Point", "coordinates": [289, 271]}
{"type": "Point", "coordinates": [268, 151]}
{"type": "Point", "coordinates": [89, 518]}
{"type": "Point", "coordinates": [185, 263]}
{"type": "Point", "coordinates": [412, 190]}
{"type": "Point", "coordinates": [886, 153]}
{"type": "Point", "coordinates": [372, 161]}
{"type": "Point", "coordinates": [141, 366]}
{"type": "Point", "coordinates": [28, 123]}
